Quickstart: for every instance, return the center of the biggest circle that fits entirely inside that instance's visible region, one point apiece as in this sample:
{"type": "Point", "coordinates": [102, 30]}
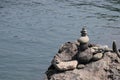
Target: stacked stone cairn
{"type": "Point", "coordinates": [72, 55]}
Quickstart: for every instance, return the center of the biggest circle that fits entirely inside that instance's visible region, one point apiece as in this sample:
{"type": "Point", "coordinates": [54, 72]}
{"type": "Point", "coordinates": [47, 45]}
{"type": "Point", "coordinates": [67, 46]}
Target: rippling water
{"type": "Point", "coordinates": [31, 31]}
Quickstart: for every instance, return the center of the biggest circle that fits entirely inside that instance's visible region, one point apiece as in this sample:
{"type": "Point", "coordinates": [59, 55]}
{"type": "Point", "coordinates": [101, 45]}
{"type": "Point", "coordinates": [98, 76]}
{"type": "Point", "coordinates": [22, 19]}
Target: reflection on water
{"type": "Point", "coordinates": [31, 31]}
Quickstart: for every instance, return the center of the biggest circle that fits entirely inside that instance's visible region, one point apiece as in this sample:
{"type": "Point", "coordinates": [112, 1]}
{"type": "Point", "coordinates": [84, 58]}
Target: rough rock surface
{"type": "Point", "coordinates": [69, 65]}
{"type": "Point", "coordinates": [107, 68]}
{"type": "Point", "coordinates": [66, 52]}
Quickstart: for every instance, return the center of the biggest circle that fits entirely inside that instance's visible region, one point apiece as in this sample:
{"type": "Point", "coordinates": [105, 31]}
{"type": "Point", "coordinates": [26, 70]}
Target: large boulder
{"type": "Point", "coordinates": [66, 52]}
{"type": "Point", "coordinates": [107, 68]}
{"type": "Point", "coordinates": [64, 60]}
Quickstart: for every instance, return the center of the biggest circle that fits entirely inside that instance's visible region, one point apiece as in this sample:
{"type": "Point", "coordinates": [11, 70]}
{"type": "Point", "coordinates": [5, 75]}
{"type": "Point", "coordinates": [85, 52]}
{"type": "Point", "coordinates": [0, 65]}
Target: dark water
{"type": "Point", "coordinates": [31, 31]}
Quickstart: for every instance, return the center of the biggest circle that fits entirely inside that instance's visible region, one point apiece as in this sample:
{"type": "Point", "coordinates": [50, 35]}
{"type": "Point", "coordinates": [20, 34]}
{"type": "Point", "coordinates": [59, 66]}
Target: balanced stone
{"type": "Point", "coordinates": [76, 55]}
{"type": "Point", "coordinates": [84, 39]}
{"type": "Point", "coordinates": [85, 56]}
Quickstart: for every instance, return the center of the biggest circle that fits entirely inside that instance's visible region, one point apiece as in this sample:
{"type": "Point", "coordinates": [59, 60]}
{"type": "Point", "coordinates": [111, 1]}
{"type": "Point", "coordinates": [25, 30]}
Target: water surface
{"type": "Point", "coordinates": [31, 31]}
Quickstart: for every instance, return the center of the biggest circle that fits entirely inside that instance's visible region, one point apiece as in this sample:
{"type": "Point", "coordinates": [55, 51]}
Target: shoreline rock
{"type": "Point", "coordinates": [82, 60]}
{"type": "Point", "coordinates": [108, 68]}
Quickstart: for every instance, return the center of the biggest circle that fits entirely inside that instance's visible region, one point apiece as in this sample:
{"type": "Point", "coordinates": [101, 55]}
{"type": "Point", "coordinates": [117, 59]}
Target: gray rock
{"type": "Point", "coordinates": [63, 66]}
{"type": "Point", "coordinates": [66, 52]}
{"type": "Point", "coordinates": [65, 58]}
{"type": "Point", "coordinates": [85, 56]}
{"type": "Point", "coordinates": [114, 46]}
{"type": "Point", "coordinates": [97, 56]}
{"type": "Point", "coordinates": [105, 69]}
{"type": "Point", "coordinates": [80, 66]}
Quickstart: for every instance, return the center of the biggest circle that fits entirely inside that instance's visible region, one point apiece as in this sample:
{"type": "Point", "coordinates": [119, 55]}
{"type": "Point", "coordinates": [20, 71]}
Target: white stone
{"type": "Point", "coordinates": [84, 39]}
{"type": "Point", "coordinates": [66, 65]}
{"type": "Point", "coordinates": [97, 56]}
